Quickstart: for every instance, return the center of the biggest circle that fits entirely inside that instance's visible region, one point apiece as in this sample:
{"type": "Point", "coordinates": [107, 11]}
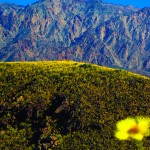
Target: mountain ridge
{"type": "Point", "coordinates": [97, 32]}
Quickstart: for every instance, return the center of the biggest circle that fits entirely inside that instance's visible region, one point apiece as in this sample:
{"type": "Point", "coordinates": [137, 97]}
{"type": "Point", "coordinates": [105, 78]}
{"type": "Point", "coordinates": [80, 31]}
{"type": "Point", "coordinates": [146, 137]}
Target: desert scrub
{"type": "Point", "coordinates": [69, 103]}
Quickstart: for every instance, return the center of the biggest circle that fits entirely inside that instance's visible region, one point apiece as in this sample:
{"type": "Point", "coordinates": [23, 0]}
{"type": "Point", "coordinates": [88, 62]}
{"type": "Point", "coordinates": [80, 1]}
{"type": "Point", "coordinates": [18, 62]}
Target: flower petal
{"type": "Point", "coordinates": [144, 125]}
{"type": "Point", "coordinates": [137, 136]}
{"type": "Point", "coordinates": [122, 135]}
{"type": "Point", "coordinates": [125, 125]}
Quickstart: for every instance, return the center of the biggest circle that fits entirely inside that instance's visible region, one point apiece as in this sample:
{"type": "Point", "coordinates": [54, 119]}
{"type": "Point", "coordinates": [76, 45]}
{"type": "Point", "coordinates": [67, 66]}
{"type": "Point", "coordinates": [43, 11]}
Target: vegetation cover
{"type": "Point", "coordinates": [68, 105]}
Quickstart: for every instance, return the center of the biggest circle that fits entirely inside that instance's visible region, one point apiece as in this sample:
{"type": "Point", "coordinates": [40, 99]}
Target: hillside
{"type": "Point", "coordinates": [68, 105]}
{"type": "Point", "coordinates": [79, 30]}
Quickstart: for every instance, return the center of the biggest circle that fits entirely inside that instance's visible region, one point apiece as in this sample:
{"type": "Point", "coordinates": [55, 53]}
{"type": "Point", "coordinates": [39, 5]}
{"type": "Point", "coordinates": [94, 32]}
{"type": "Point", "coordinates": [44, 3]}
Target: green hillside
{"type": "Point", "coordinates": [68, 105]}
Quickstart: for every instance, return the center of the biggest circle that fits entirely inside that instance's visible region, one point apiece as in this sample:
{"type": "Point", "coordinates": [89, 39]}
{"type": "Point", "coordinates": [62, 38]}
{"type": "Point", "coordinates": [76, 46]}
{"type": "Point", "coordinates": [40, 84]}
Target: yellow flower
{"type": "Point", "coordinates": [135, 128]}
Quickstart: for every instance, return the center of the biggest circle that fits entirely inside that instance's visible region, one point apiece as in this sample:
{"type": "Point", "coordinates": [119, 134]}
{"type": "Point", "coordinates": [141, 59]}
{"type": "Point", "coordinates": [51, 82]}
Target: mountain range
{"type": "Point", "coordinates": [80, 30]}
{"type": "Point", "coordinates": [67, 105]}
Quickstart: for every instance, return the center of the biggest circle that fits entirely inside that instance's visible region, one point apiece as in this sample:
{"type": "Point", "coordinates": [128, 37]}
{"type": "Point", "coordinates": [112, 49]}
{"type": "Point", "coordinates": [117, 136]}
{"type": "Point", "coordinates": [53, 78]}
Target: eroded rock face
{"type": "Point", "coordinates": [79, 30]}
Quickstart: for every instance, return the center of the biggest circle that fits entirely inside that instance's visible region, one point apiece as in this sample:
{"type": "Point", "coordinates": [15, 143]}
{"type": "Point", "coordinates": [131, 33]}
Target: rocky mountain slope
{"type": "Point", "coordinates": [92, 31]}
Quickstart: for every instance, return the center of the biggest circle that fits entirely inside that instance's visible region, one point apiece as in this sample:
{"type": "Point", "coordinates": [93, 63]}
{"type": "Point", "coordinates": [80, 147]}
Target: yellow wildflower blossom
{"type": "Point", "coordinates": [135, 128]}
